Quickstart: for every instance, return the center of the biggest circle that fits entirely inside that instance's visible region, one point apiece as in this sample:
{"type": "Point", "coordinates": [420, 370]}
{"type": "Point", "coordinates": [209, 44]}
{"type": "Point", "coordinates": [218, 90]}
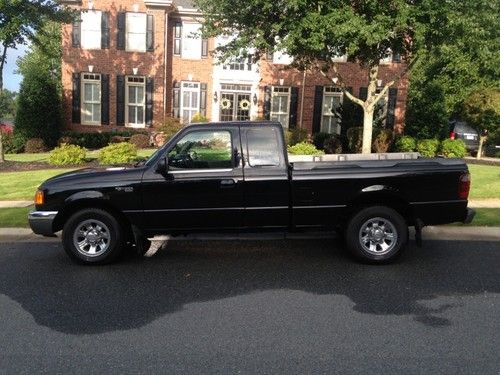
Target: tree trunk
{"type": "Point", "coordinates": [2, 157]}
{"type": "Point", "coordinates": [369, 109]}
{"type": "Point", "coordinates": [367, 130]}
{"type": "Point", "coordinates": [2, 63]}
{"type": "Point", "coordinates": [480, 149]}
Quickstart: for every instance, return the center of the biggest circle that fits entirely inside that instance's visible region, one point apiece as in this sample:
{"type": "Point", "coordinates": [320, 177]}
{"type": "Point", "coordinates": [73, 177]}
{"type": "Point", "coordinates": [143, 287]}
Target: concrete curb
{"type": "Point", "coordinates": [437, 233]}
{"type": "Point", "coordinates": [15, 204]}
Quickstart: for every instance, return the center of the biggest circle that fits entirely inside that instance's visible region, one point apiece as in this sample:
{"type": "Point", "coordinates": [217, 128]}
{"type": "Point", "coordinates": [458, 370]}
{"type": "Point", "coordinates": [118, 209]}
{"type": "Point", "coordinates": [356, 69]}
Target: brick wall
{"type": "Point", "coordinates": [115, 62]}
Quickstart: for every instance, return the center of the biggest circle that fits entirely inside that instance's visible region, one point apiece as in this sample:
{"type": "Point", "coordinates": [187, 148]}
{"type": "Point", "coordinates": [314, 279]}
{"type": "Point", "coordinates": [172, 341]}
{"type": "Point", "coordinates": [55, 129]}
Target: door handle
{"type": "Point", "coordinates": [227, 183]}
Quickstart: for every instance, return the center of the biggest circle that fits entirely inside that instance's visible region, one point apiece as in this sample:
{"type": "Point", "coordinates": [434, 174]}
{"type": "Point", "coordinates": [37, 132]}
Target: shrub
{"type": "Point", "coordinates": [38, 113]}
{"type": "Point", "coordinates": [406, 144]}
{"type": "Point", "coordinates": [428, 147]}
{"type": "Point", "coordinates": [382, 140]}
{"type": "Point", "coordinates": [12, 144]}
{"type": "Point", "coordinates": [297, 135]}
{"type": "Point", "coordinates": [333, 144]}
{"type": "Point", "coordinates": [140, 140]}
{"type": "Point", "coordinates": [118, 153]}
{"type": "Point", "coordinates": [67, 154]}
{"type": "Point", "coordinates": [355, 139]}
{"type": "Point", "coordinates": [65, 140]}
{"type": "Point", "coordinates": [34, 146]}
{"type": "Point", "coordinates": [453, 148]}
{"type": "Point", "coordinates": [90, 141]}
{"type": "Point", "coordinates": [319, 140]}
{"type": "Point", "coordinates": [304, 148]}
{"type": "Point", "coordinates": [198, 117]}
{"type": "Point", "coordinates": [171, 126]}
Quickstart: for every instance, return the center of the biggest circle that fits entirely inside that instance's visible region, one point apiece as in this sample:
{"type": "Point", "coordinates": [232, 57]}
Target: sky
{"type": "Point", "coordinates": [11, 80]}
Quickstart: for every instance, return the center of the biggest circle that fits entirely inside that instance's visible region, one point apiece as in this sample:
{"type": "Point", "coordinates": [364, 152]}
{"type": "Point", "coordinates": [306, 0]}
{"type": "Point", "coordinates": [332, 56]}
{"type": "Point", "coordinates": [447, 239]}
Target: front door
{"type": "Point", "coordinates": [203, 187]}
{"type": "Point", "coordinates": [235, 105]}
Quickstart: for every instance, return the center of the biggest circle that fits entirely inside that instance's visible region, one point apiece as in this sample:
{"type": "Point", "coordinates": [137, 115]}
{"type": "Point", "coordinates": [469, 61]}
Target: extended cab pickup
{"type": "Point", "coordinates": [237, 177]}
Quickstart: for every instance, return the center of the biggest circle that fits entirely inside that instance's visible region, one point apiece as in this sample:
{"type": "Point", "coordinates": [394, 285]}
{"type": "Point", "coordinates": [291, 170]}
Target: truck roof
{"type": "Point", "coordinates": [238, 123]}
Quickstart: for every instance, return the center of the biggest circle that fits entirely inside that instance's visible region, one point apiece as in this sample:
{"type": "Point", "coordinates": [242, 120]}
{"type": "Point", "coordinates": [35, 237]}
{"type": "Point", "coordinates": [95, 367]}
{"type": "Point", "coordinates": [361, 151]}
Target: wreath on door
{"type": "Point", "coordinates": [225, 103]}
{"type": "Point", "coordinates": [245, 104]}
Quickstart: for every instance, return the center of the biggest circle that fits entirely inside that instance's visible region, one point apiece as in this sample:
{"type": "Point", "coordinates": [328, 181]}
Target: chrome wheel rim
{"type": "Point", "coordinates": [91, 238]}
{"type": "Point", "coordinates": [378, 236]}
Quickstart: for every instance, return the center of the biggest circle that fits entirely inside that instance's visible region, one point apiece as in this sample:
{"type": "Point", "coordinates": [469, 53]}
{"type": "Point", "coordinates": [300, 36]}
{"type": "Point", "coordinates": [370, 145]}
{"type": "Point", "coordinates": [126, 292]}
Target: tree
{"type": "Point", "coordinates": [467, 60]}
{"type": "Point", "coordinates": [7, 104]}
{"type": "Point", "coordinates": [482, 111]}
{"type": "Point", "coordinates": [46, 55]}
{"type": "Point", "coordinates": [314, 33]}
{"type": "Point", "coordinates": [20, 20]}
{"type": "Point", "coordinates": [38, 112]}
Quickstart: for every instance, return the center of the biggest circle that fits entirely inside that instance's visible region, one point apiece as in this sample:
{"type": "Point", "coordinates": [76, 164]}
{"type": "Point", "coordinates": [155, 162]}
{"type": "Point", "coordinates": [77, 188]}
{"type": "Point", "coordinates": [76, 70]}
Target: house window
{"type": "Point", "coordinates": [177, 38]}
{"type": "Point", "coordinates": [239, 64]}
{"type": "Point", "coordinates": [190, 100]}
{"type": "Point", "coordinates": [204, 48]}
{"type": "Point", "coordinates": [280, 105]}
{"type": "Point", "coordinates": [135, 100]}
{"type": "Point", "coordinates": [136, 32]}
{"type": "Point", "coordinates": [332, 99]}
{"type": "Point", "coordinates": [91, 29]}
{"type": "Point", "coordinates": [191, 41]}
{"type": "Point", "coordinates": [91, 99]}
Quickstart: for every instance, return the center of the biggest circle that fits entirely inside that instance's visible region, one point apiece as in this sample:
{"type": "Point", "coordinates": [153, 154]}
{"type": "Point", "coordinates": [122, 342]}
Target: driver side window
{"type": "Point", "coordinates": [205, 149]}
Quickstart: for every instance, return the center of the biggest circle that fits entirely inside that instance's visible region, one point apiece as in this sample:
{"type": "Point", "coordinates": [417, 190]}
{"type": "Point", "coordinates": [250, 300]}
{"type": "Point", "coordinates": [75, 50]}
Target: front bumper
{"type": "Point", "coordinates": [469, 216]}
{"type": "Point", "coordinates": [41, 222]}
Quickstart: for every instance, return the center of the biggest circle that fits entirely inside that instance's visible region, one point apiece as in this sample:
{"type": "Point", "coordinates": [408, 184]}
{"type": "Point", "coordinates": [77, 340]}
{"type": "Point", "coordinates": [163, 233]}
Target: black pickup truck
{"type": "Point", "coordinates": [237, 177]}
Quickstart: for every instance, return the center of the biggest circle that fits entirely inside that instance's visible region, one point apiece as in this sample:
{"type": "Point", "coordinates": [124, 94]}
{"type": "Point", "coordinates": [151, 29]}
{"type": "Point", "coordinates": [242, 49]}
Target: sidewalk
{"type": "Point", "coordinates": [474, 203]}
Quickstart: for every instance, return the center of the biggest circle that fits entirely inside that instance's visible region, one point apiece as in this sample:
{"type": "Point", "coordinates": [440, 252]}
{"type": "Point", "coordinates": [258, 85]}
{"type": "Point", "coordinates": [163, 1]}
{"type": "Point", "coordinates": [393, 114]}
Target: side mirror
{"type": "Point", "coordinates": [162, 166]}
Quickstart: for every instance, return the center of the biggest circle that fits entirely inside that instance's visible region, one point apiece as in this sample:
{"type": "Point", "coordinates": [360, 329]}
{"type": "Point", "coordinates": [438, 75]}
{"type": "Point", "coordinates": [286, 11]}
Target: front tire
{"type": "Point", "coordinates": [377, 234]}
{"type": "Point", "coordinates": [93, 236]}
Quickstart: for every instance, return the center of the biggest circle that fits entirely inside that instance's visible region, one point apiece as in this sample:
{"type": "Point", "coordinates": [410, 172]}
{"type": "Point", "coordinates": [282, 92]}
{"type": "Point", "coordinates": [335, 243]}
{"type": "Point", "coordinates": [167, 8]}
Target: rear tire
{"type": "Point", "coordinates": [377, 234]}
{"type": "Point", "coordinates": [93, 236]}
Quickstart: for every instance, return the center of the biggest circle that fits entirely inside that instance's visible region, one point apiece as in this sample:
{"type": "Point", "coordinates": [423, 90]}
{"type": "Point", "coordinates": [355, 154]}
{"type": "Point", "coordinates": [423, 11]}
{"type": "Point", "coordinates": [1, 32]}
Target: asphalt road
{"type": "Point", "coordinates": [249, 307]}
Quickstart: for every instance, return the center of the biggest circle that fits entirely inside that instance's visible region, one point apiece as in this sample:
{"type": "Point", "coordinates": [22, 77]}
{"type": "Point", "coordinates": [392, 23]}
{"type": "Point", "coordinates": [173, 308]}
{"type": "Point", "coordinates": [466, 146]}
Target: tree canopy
{"type": "Point", "coordinates": [467, 60]}
{"type": "Point", "coordinates": [20, 21]}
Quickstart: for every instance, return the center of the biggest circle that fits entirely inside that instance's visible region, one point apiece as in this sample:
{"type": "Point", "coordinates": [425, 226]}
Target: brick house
{"type": "Point", "coordinates": [133, 63]}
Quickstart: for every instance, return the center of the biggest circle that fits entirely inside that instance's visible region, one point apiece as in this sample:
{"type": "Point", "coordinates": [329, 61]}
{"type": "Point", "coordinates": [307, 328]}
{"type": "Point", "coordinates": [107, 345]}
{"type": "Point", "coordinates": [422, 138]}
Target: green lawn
{"type": "Point", "coordinates": [14, 217]}
{"type": "Point", "coordinates": [17, 217]}
{"type": "Point", "coordinates": [22, 185]}
{"type": "Point", "coordinates": [485, 181]}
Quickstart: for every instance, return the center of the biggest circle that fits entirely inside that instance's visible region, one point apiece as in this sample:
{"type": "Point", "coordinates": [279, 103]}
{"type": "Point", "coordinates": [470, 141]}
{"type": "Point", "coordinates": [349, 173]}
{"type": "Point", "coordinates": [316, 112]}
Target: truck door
{"type": "Point", "coordinates": [266, 185]}
{"type": "Point", "coordinates": [203, 188]}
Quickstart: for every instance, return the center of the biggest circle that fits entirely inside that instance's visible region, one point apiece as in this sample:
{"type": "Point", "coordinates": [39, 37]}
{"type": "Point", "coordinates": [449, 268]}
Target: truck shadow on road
{"type": "Point", "coordinates": [86, 300]}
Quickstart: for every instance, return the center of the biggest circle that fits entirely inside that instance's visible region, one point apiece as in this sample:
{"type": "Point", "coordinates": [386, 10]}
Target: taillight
{"type": "Point", "coordinates": [452, 135]}
{"type": "Point", "coordinates": [464, 186]}
{"type": "Point", "coordinates": [39, 197]}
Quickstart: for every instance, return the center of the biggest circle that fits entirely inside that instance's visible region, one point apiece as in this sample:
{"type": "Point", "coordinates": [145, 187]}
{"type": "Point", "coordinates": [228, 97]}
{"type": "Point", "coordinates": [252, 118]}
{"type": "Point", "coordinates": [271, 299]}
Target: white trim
{"type": "Point", "coordinates": [331, 91]}
{"type": "Point", "coordinates": [95, 80]}
{"type": "Point", "coordinates": [181, 99]}
{"type": "Point", "coordinates": [135, 84]}
{"type": "Point", "coordinates": [137, 16]}
{"type": "Point", "coordinates": [288, 94]}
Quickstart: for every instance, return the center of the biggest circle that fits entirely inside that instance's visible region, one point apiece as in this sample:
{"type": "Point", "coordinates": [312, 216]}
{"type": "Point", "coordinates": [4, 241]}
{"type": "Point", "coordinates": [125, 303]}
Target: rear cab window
{"type": "Point", "coordinates": [263, 147]}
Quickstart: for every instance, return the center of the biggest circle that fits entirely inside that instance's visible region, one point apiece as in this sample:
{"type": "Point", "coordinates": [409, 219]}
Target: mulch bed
{"type": "Point", "coordinates": [19, 166]}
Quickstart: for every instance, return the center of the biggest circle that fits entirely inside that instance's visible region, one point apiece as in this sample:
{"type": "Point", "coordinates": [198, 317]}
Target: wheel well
{"type": "Point", "coordinates": [387, 200]}
{"type": "Point", "coordinates": [73, 207]}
